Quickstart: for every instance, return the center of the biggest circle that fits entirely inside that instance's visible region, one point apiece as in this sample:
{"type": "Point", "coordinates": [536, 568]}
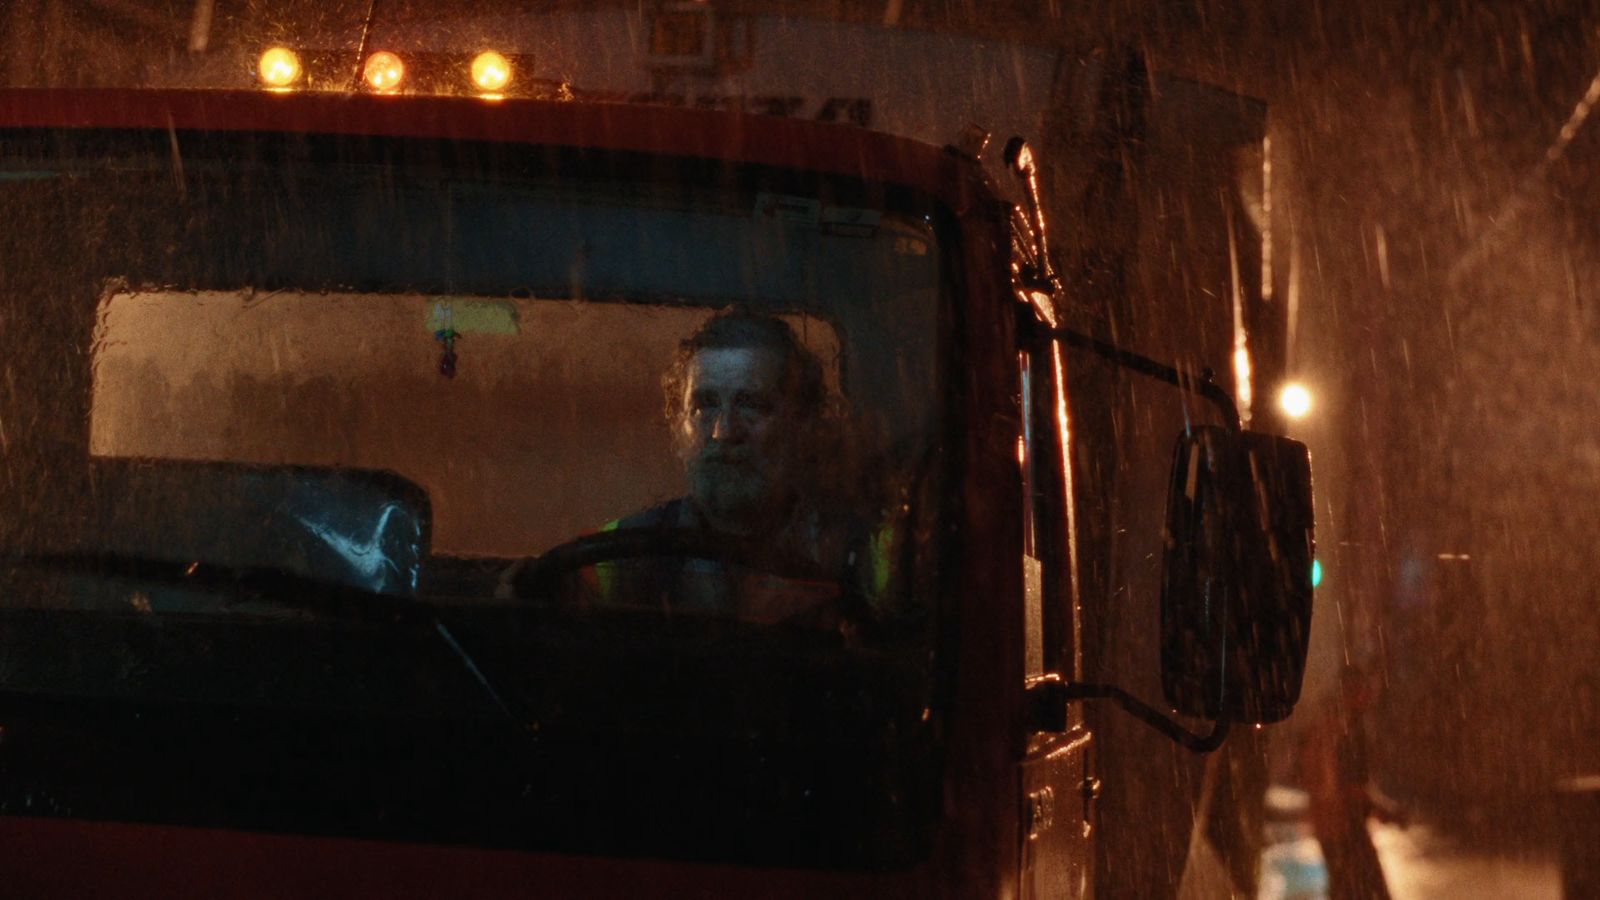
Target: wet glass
{"type": "Point", "coordinates": [286, 416]}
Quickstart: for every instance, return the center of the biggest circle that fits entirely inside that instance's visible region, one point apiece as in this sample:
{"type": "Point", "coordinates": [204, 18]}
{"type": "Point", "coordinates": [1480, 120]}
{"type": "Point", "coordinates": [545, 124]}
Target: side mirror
{"type": "Point", "coordinates": [1236, 580]}
{"type": "Point", "coordinates": [359, 528]}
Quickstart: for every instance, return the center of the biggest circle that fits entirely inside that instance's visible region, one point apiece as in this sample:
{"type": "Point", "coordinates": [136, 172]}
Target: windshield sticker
{"type": "Point", "coordinates": [471, 316]}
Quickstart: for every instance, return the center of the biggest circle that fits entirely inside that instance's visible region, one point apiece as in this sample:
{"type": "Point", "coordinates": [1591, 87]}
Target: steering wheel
{"type": "Point", "coordinates": [540, 573]}
{"type": "Point", "coordinates": [539, 576]}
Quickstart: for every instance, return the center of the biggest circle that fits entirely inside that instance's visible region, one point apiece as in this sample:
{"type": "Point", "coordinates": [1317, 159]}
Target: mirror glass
{"type": "Point", "coordinates": [1236, 581]}
{"type": "Point", "coordinates": [353, 528]}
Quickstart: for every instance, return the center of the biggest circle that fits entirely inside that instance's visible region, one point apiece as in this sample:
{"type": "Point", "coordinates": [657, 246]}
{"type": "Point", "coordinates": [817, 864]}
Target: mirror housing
{"type": "Point", "coordinates": [1236, 579]}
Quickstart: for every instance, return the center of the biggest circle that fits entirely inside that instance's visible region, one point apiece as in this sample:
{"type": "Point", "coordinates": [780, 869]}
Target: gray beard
{"type": "Point", "coordinates": [733, 496]}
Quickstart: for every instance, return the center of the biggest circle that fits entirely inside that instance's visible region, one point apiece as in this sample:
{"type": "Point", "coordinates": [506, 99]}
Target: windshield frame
{"type": "Point", "coordinates": [942, 469]}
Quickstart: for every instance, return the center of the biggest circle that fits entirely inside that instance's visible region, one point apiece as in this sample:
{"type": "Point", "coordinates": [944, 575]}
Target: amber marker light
{"type": "Point", "coordinates": [491, 71]}
{"type": "Point", "coordinates": [384, 71]}
{"type": "Point", "coordinates": [279, 67]}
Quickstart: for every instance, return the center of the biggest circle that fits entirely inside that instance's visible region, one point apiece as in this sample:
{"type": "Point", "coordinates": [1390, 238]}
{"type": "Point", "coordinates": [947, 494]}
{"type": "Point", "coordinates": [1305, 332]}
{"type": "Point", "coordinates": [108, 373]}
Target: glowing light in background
{"type": "Point", "coordinates": [279, 67]}
{"type": "Point", "coordinates": [384, 71]}
{"type": "Point", "coordinates": [1241, 377]}
{"type": "Point", "coordinates": [1295, 400]}
{"type": "Point", "coordinates": [1316, 572]}
{"type": "Point", "coordinates": [491, 71]}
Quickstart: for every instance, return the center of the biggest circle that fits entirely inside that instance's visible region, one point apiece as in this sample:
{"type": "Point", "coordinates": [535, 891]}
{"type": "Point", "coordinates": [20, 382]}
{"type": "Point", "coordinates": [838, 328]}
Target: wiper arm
{"type": "Point", "coordinates": [471, 665]}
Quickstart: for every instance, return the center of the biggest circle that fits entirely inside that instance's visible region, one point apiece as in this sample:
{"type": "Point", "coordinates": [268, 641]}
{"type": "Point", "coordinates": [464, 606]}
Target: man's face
{"type": "Point", "coordinates": [734, 434]}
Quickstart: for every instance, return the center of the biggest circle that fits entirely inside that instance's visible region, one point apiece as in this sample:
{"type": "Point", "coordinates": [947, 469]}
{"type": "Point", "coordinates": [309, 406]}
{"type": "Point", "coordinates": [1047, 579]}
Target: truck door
{"type": "Point", "coordinates": [1057, 789]}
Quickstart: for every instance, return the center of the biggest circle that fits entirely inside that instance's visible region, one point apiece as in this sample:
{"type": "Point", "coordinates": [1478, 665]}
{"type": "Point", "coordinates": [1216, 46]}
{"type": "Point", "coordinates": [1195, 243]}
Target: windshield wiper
{"type": "Point", "coordinates": [276, 587]}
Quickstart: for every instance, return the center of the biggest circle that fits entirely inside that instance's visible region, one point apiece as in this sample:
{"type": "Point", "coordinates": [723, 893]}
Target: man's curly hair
{"type": "Point", "coordinates": [803, 381]}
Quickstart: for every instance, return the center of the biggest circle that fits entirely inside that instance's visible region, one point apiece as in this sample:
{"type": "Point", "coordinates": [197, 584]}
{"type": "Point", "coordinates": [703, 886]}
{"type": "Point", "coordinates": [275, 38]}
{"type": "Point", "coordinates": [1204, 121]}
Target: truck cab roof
{"type": "Point", "coordinates": [775, 141]}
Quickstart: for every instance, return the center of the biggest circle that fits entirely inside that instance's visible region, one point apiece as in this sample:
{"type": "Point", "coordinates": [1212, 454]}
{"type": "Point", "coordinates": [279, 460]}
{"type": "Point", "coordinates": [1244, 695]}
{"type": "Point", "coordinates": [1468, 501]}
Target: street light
{"type": "Point", "coordinates": [1295, 400]}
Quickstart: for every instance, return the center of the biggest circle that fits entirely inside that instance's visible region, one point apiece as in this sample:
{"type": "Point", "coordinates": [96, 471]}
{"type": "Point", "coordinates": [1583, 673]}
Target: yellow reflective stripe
{"type": "Point", "coordinates": [880, 565]}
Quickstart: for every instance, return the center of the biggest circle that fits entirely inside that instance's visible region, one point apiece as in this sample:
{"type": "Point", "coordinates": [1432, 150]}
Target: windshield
{"type": "Point", "coordinates": [559, 447]}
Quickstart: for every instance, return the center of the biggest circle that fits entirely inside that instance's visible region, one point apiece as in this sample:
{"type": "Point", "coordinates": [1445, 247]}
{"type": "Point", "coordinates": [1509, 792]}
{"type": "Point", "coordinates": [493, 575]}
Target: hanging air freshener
{"type": "Point", "coordinates": [451, 318]}
{"type": "Point", "coordinates": [447, 336]}
{"type": "Point", "coordinates": [447, 359]}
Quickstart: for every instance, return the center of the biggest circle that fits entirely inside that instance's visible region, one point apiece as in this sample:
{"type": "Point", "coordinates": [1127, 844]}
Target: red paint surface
{"type": "Point", "coordinates": [763, 140]}
{"type": "Point", "coordinates": [69, 858]}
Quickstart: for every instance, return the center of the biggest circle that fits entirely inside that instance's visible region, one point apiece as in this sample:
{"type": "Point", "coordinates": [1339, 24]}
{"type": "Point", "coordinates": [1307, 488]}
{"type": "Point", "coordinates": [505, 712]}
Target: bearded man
{"type": "Point", "coordinates": [748, 407]}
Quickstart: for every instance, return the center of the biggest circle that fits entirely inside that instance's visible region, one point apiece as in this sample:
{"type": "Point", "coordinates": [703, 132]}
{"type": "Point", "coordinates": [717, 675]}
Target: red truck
{"type": "Point", "coordinates": [301, 386]}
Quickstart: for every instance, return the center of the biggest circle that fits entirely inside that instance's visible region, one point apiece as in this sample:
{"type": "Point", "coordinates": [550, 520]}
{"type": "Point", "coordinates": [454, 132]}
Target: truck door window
{"type": "Point", "coordinates": [1045, 560]}
{"type": "Point", "coordinates": [1032, 568]}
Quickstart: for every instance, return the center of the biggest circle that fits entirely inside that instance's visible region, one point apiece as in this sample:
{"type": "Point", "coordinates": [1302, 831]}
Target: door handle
{"type": "Point", "coordinates": [1041, 811]}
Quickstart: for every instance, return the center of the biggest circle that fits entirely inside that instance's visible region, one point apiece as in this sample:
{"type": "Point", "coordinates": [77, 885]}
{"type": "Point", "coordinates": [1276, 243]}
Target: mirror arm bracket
{"type": "Point", "coordinates": [1204, 384]}
{"type": "Point", "coordinates": [1040, 284]}
{"type": "Point", "coordinates": [1049, 695]}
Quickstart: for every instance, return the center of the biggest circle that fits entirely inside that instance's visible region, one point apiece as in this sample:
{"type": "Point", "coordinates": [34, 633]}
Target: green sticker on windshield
{"type": "Point", "coordinates": [471, 316]}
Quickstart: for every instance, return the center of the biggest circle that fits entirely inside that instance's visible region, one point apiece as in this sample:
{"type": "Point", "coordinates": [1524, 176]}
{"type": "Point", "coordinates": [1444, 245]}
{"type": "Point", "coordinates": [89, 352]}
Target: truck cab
{"type": "Point", "coordinates": [316, 409]}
